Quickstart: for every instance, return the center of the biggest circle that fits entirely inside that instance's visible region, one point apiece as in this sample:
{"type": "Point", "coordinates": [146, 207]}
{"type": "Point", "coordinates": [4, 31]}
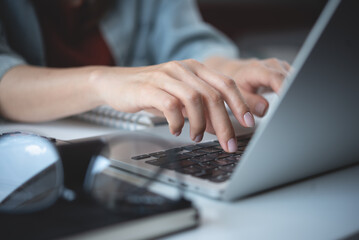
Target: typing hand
{"type": "Point", "coordinates": [251, 75]}
{"type": "Point", "coordinates": [178, 89]}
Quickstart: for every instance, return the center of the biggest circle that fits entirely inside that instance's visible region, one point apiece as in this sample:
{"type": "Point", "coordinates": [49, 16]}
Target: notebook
{"type": "Point", "coordinates": [107, 116]}
{"type": "Point", "coordinates": [311, 128]}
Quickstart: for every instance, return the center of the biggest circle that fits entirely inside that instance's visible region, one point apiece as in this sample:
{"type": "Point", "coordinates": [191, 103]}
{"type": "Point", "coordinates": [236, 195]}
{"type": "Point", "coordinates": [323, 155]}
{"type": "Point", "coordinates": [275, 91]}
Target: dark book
{"type": "Point", "coordinates": [138, 214]}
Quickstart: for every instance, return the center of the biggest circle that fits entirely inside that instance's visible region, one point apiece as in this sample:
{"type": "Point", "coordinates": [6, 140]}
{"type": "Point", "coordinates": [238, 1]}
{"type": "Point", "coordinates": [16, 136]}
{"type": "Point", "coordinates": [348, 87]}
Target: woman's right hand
{"type": "Point", "coordinates": [177, 89]}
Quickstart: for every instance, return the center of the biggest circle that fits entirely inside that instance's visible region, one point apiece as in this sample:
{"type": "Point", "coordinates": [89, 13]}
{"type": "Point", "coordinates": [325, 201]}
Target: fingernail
{"type": "Point", "coordinates": [177, 133]}
{"type": "Point", "coordinates": [232, 145]}
{"type": "Point", "coordinates": [198, 138]}
{"type": "Point", "coordinates": [260, 108]}
{"type": "Point", "coordinates": [248, 119]}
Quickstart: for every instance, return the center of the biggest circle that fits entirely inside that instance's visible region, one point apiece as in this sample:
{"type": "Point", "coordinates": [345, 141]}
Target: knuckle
{"type": "Point", "coordinates": [227, 82]}
{"type": "Point", "coordinates": [279, 75]}
{"type": "Point", "coordinates": [159, 74]}
{"type": "Point", "coordinates": [286, 64]}
{"type": "Point", "coordinates": [171, 104]}
{"type": "Point", "coordinates": [174, 65]}
{"type": "Point", "coordinates": [214, 97]}
{"type": "Point", "coordinates": [193, 96]}
{"type": "Point", "coordinates": [273, 60]}
{"type": "Point", "coordinates": [192, 61]}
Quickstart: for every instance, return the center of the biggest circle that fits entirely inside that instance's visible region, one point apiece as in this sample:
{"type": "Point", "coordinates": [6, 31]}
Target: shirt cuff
{"type": "Point", "coordinates": [7, 62]}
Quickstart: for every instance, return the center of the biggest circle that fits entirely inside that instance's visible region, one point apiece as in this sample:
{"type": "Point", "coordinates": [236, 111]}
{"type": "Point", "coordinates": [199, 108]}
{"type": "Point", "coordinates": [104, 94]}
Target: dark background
{"type": "Point", "coordinates": [263, 28]}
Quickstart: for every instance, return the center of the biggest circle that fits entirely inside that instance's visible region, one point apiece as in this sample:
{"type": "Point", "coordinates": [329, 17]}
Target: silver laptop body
{"type": "Point", "coordinates": [313, 127]}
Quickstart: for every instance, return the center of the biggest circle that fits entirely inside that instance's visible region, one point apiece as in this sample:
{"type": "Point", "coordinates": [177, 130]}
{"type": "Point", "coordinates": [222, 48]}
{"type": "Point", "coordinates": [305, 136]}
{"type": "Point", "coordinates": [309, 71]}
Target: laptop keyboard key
{"type": "Point", "coordinates": [178, 164]}
{"type": "Point", "coordinates": [205, 158]}
{"type": "Point", "coordinates": [158, 161]}
{"type": "Point", "coordinates": [206, 165]}
{"type": "Point", "coordinates": [196, 153]}
{"type": "Point", "coordinates": [208, 144]}
{"type": "Point", "coordinates": [227, 168]}
{"type": "Point", "coordinates": [224, 155]}
{"type": "Point", "coordinates": [234, 158]}
{"type": "Point", "coordinates": [223, 161]}
{"type": "Point", "coordinates": [210, 150]}
{"type": "Point", "coordinates": [158, 154]}
{"type": "Point", "coordinates": [188, 170]}
{"type": "Point", "coordinates": [192, 147]}
{"type": "Point", "coordinates": [181, 157]}
{"type": "Point", "coordinates": [141, 157]}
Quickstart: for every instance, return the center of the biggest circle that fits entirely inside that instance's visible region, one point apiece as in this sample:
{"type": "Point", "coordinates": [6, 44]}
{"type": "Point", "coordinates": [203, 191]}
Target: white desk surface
{"type": "Point", "coordinates": [325, 207]}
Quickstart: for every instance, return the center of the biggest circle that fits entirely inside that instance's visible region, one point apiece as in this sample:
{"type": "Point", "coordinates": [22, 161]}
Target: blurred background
{"type": "Point", "coordinates": [263, 28]}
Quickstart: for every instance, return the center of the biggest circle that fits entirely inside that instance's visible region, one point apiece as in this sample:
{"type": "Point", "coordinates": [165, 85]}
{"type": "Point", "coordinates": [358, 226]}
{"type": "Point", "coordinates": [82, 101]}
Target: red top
{"type": "Point", "coordinates": [65, 46]}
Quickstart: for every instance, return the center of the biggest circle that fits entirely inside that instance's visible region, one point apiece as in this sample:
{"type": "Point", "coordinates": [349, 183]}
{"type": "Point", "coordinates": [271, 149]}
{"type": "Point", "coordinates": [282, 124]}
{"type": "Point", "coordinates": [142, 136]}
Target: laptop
{"type": "Point", "coordinates": [311, 128]}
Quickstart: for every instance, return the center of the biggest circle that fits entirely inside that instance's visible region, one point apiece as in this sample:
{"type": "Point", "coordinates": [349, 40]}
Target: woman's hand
{"type": "Point", "coordinates": [252, 74]}
{"type": "Point", "coordinates": [175, 89]}
{"type": "Point", "coordinates": [178, 89]}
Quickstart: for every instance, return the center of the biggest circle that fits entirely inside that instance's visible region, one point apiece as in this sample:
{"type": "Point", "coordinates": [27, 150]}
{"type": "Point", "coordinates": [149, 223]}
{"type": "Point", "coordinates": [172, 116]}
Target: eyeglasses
{"type": "Point", "coordinates": [34, 174]}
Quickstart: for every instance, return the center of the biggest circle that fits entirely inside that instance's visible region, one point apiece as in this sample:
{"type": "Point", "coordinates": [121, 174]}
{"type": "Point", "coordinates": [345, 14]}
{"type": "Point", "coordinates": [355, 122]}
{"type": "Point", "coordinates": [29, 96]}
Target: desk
{"type": "Point", "coordinates": [325, 207]}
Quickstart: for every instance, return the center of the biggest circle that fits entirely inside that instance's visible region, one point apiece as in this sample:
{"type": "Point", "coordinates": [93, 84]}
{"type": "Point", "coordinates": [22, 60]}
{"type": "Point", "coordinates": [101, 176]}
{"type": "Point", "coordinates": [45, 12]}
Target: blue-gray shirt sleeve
{"type": "Point", "coordinates": [8, 58]}
{"type": "Point", "coordinates": [179, 33]}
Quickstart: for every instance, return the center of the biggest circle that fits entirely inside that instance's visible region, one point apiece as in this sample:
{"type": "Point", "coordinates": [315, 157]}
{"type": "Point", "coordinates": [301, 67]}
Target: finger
{"type": "Point", "coordinates": [228, 91]}
{"type": "Point", "coordinates": [217, 113]}
{"type": "Point", "coordinates": [263, 76]}
{"type": "Point", "coordinates": [190, 98]}
{"type": "Point", "coordinates": [221, 125]}
{"type": "Point", "coordinates": [257, 104]}
{"type": "Point", "coordinates": [209, 126]}
{"type": "Point", "coordinates": [278, 65]}
{"type": "Point", "coordinates": [169, 105]}
{"type": "Point", "coordinates": [184, 73]}
{"type": "Point", "coordinates": [286, 65]}
{"type": "Point", "coordinates": [212, 100]}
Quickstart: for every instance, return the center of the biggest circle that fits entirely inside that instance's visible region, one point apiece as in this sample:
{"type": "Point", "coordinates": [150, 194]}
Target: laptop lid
{"type": "Point", "coordinates": [313, 126]}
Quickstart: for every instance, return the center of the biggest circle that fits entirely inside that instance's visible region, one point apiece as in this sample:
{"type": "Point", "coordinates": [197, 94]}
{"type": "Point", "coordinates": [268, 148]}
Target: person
{"type": "Point", "coordinates": [60, 58]}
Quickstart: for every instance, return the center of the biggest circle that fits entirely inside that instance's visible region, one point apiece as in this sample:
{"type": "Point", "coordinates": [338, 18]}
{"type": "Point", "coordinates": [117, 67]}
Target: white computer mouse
{"type": "Point", "coordinates": [30, 172]}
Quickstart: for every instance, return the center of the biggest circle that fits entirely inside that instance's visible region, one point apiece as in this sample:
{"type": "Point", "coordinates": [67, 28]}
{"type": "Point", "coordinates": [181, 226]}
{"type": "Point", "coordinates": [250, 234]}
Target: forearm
{"type": "Point", "coordinates": [34, 94]}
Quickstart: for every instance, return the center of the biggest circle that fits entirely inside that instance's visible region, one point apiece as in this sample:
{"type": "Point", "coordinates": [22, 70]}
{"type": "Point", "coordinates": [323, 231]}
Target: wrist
{"type": "Point", "coordinates": [95, 82]}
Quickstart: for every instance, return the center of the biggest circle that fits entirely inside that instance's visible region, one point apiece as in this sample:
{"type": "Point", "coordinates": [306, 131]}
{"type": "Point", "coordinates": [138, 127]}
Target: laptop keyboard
{"type": "Point", "coordinates": [204, 160]}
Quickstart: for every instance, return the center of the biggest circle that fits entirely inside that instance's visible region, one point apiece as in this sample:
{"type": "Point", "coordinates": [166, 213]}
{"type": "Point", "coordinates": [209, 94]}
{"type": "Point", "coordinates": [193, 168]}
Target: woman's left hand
{"type": "Point", "coordinates": [251, 75]}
